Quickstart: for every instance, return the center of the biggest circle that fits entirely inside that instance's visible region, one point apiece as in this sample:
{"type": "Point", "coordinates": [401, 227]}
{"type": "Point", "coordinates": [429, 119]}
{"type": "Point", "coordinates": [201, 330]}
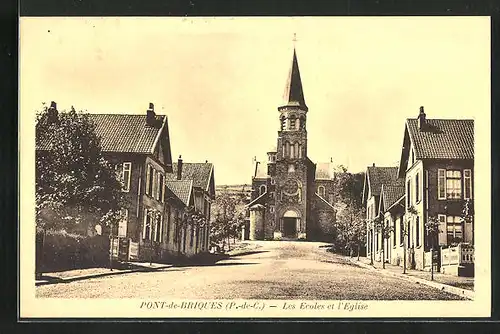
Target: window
{"type": "Point", "coordinates": [149, 180]}
{"type": "Point", "coordinates": [262, 189]}
{"type": "Point", "coordinates": [158, 227]}
{"type": "Point", "coordinates": [412, 157]}
{"type": "Point", "coordinates": [154, 182]}
{"type": "Point", "coordinates": [401, 231]}
{"type": "Point", "coordinates": [271, 195]}
{"type": "Point", "coordinates": [167, 213]}
{"type": "Point", "coordinates": [417, 188]}
{"type": "Point", "coordinates": [122, 224]}
{"type": "Point", "coordinates": [417, 231]}
{"type": "Point", "coordinates": [271, 209]}
{"type": "Point", "coordinates": [441, 184]}
{"type": "Point", "coordinates": [394, 235]}
{"type": "Point", "coordinates": [292, 151]}
{"type": "Point", "coordinates": [408, 193]}
{"type": "Point", "coordinates": [146, 230]}
{"type": "Point", "coordinates": [454, 229]}
{"type": "Point", "coordinates": [127, 167]}
{"type": "Point", "coordinates": [292, 123]}
{"type": "Point", "coordinates": [273, 180]}
{"type": "Point", "coordinates": [287, 149]}
{"type": "Point", "coordinates": [160, 187]}
{"type": "Point", "coordinates": [408, 241]}
{"type": "Point", "coordinates": [321, 191]}
{"type": "Point", "coordinates": [300, 151]}
{"type": "Point", "coordinates": [297, 153]}
{"type": "Point", "coordinates": [283, 123]}
{"type": "Point", "coordinates": [453, 184]}
{"type": "Point", "coordinates": [467, 184]}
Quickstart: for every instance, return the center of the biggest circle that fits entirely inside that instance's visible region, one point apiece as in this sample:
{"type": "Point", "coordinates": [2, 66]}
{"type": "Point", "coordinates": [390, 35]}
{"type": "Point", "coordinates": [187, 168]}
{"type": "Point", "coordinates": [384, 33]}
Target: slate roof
{"type": "Point", "coordinates": [123, 133]}
{"type": "Point", "coordinates": [324, 170]}
{"type": "Point", "coordinates": [294, 94]}
{"type": "Point", "coordinates": [199, 173]}
{"type": "Point", "coordinates": [381, 175]}
{"type": "Point", "coordinates": [443, 138]}
{"type": "Point", "coordinates": [182, 189]}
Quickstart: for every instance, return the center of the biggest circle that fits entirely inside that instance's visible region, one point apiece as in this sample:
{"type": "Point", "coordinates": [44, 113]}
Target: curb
{"type": "Point", "coordinates": [110, 273]}
{"type": "Point", "coordinates": [443, 287]}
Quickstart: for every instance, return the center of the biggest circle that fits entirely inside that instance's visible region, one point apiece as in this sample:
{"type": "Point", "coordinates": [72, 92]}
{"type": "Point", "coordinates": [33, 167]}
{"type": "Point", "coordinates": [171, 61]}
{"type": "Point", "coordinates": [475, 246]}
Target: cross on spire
{"type": "Point", "coordinates": [294, 38]}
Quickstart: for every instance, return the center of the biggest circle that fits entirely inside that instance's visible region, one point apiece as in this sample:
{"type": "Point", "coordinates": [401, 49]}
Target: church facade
{"type": "Point", "coordinates": [292, 197]}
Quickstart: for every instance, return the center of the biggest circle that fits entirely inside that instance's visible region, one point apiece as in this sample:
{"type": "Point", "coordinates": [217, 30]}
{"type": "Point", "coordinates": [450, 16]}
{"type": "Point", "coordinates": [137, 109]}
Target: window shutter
{"type": "Point", "coordinates": [144, 224]}
{"type": "Point", "coordinates": [443, 240]}
{"type": "Point", "coordinates": [441, 184]}
{"type": "Point", "coordinates": [148, 172]}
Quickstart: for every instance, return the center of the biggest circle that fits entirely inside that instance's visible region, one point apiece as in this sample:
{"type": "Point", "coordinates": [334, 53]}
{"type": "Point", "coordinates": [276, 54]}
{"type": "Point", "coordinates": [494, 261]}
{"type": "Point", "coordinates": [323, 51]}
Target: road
{"type": "Point", "coordinates": [275, 270]}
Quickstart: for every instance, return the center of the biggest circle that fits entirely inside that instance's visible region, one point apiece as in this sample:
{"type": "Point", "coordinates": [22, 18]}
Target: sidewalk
{"type": "Point", "coordinates": [461, 286]}
{"type": "Point", "coordinates": [80, 274]}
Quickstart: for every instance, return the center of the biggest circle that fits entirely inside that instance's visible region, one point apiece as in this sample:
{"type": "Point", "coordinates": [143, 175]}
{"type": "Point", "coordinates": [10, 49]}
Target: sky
{"type": "Point", "coordinates": [220, 80]}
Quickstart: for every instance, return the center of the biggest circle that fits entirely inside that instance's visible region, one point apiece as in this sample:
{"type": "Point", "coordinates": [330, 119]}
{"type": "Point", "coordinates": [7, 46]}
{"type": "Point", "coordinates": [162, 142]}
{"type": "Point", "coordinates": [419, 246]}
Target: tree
{"type": "Point", "coordinates": [385, 231]}
{"type": "Point", "coordinates": [73, 179]}
{"type": "Point", "coordinates": [349, 212]}
{"type": "Point", "coordinates": [228, 217]}
{"type": "Point", "coordinates": [432, 229]}
{"type": "Point", "coordinates": [413, 212]}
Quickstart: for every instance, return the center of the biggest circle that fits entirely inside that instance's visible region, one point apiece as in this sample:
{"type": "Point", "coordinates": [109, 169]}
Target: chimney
{"type": "Point", "coordinates": [373, 164]}
{"type": "Point", "coordinates": [179, 168]}
{"type": "Point", "coordinates": [150, 115]}
{"type": "Point", "coordinates": [52, 112]}
{"type": "Point", "coordinates": [421, 119]}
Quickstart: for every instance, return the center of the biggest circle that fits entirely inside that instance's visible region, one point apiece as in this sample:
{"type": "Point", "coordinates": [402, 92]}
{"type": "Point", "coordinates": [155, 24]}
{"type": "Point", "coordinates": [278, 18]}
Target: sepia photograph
{"type": "Point", "coordinates": [254, 167]}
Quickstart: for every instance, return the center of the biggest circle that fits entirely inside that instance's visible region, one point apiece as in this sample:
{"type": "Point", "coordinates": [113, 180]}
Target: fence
{"type": "Point", "coordinates": [459, 255]}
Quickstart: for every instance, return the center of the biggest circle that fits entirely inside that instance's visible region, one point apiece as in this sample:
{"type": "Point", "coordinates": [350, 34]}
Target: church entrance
{"type": "Point", "coordinates": [290, 224]}
{"type": "Point", "coordinates": [290, 227]}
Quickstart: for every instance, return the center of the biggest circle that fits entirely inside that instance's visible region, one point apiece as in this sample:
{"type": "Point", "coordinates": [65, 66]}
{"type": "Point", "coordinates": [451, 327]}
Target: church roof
{"type": "Point", "coordinates": [260, 170]}
{"type": "Point", "coordinates": [294, 94]}
{"type": "Point", "coordinates": [324, 171]}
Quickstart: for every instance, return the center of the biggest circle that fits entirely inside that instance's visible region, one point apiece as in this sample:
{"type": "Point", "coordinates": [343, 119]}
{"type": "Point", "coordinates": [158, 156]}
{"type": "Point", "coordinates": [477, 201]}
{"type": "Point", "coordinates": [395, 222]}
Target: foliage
{"type": "Point", "coordinates": [72, 176]}
{"type": "Point", "coordinates": [432, 229]}
{"type": "Point", "coordinates": [349, 212]}
{"type": "Point", "coordinates": [228, 216]}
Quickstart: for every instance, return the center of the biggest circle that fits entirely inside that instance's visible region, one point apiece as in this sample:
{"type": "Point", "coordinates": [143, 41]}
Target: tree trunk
{"type": "Point", "coordinates": [383, 250]}
{"type": "Point", "coordinates": [404, 254]}
{"type": "Point", "coordinates": [359, 246]}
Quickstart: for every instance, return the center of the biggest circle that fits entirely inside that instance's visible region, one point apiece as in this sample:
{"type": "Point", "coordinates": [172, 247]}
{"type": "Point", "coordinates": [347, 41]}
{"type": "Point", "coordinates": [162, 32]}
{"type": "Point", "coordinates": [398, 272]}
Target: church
{"type": "Point", "coordinates": [292, 197]}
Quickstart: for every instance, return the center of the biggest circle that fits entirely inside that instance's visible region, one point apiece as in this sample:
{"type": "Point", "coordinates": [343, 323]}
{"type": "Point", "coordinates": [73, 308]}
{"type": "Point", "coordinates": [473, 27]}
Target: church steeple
{"type": "Point", "coordinates": [294, 95]}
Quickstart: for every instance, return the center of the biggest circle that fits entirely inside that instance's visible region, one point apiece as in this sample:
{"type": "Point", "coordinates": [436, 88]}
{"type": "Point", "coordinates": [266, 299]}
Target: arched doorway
{"type": "Point", "coordinates": [291, 223]}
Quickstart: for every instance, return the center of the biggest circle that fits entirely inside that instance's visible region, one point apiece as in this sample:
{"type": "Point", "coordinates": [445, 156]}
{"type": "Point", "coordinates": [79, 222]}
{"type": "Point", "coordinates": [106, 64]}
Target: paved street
{"type": "Point", "coordinates": [275, 270]}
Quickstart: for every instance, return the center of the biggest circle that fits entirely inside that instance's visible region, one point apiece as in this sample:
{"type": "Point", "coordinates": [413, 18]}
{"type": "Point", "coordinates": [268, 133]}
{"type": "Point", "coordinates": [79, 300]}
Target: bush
{"type": "Point", "coordinates": [60, 250]}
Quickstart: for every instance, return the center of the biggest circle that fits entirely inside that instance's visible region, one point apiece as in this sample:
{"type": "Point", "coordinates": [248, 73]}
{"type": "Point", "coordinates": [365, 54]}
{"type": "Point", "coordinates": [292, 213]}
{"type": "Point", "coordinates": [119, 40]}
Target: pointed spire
{"type": "Point", "coordinates": [294, 95]}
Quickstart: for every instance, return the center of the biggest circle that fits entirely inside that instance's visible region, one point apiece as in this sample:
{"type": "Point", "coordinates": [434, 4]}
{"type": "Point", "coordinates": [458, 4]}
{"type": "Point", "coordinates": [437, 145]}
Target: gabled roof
{"type": "Point", "coordinates": [124, 133]}
{"type": "Point", "coordinates": [324, 201]}
{"type": "Point", "coordinates": [200, 173]}
{"type": "Point", "coordinates": [377, 176]}
{"type": "Point", "coordinates": [324, 171]}
{"type": "Point", "coordinates": [260, 170]}
{"type": "Point", "coordinates": [294, 94]}
{"type": "Point", "coordinates": [391, 192]}
{"type": "Point", "coordinates": [182, 189]}
{"type": "Point", "coordinates": [451, 139]}
{"type": "Point", "coordinates": [442, 138]}
{"type": "Point", "coordinates": [258, 200]}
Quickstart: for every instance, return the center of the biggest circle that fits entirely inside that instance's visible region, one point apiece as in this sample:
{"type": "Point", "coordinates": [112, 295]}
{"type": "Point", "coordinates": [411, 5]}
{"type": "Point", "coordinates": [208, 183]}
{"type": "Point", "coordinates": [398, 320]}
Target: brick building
{"type": "Point", "coordinates": [433, 182]}
{"type": "Point", "coordinates": [159, 198]}
{"type": "Point", "coordinates": [292, 197]}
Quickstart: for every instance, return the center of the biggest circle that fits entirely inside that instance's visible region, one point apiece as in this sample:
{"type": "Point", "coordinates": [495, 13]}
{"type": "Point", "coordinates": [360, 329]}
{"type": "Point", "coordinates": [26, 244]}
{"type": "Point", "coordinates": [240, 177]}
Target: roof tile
{"type": "Point", "coordinates": [443, 138]}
